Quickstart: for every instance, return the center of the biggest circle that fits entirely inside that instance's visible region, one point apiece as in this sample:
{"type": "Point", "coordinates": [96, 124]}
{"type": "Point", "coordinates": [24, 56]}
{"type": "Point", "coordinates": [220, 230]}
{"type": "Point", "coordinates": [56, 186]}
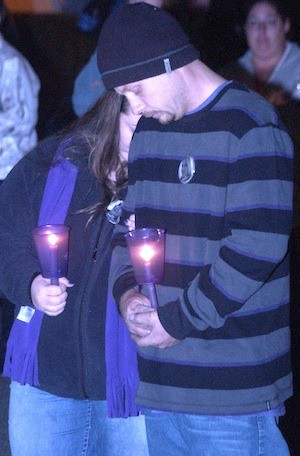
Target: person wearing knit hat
{"type": "Point", "coordinates": [211, 163]}
{"type": "Point", "coordinates": [156, 43]}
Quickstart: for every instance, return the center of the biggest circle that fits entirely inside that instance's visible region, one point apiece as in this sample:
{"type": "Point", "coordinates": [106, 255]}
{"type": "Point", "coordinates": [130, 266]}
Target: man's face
{"type": "Point", "coordinates": [162, 97]}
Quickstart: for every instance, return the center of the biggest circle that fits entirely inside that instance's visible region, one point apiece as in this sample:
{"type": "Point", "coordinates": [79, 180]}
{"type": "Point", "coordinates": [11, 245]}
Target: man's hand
{"type": "Point", "coordinates": [50, 299]}
{"type": "Point", "coordinates": [131, 303]}
{"type": "Point", "coordinates": [143, 322]}
{"type": "Point", "coordinates": [158, 337]}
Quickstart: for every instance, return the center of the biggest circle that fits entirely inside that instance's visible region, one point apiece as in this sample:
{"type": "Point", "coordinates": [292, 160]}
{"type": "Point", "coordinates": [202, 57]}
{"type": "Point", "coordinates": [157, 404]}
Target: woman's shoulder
{"type": "Point", "coordinates": [35, 163]}
{"type": "Point", "coordinates": [71, 146]}
{"type": "Point", "coordinates": [293, 53]}
{"type": "Point", "coordinates": [41, 156]}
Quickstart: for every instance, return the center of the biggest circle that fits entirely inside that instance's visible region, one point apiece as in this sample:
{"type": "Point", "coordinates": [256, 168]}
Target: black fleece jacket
{"type": "Point", "coordinates": [71, 345]}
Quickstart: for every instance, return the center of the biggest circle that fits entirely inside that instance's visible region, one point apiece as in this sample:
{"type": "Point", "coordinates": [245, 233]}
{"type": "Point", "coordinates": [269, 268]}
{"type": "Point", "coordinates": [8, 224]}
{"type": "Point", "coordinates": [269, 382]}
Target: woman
{"type": "Point", "coordinates": [271, 67]}
{"type": "Point", "coordinates": [62, 411]}
{"type": "Point", "coordinates": [271, 58]}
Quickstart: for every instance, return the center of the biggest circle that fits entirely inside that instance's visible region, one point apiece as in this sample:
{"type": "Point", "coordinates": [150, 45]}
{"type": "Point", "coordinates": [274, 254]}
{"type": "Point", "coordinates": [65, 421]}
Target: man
{"type": "Point", "coordinates": [212, 164]}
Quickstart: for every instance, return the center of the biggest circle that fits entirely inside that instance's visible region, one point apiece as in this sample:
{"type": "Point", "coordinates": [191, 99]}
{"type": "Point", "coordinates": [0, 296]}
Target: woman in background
{"type": "Point", "coordinates": [271, 58]}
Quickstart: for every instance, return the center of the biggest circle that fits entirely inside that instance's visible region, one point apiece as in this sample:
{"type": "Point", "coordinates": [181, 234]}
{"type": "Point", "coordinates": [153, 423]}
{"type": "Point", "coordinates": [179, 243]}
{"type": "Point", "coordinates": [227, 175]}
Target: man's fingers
{"type": "Point", "coordinates": [142, 318]}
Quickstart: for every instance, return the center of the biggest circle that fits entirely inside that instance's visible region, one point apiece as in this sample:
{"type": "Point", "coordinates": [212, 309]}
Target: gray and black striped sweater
{"type": "Point", "coordinates": [226, 288]}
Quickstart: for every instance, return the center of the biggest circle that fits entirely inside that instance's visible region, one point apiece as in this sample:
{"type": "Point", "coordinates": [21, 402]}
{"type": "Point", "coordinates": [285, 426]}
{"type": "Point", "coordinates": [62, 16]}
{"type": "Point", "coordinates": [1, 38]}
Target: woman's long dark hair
{"type": "Point", "coordinates": [99, 131]}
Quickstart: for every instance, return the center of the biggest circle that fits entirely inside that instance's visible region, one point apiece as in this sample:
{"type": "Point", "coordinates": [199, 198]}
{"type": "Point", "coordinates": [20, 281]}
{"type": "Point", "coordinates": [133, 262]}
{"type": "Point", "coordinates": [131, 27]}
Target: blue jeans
{"type": "Point", "coordinates": [174, 434]}
{"type": "Point", "coordinates": [41, 424]}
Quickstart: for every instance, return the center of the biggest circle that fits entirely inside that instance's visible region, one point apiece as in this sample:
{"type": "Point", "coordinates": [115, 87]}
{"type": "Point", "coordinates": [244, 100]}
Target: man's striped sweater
{"type": "Point", "coordinates": [226, 288]}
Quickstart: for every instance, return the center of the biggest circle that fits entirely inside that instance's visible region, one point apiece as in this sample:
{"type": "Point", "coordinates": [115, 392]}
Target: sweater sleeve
{"type": "Point", "coordinates": [257, 221]}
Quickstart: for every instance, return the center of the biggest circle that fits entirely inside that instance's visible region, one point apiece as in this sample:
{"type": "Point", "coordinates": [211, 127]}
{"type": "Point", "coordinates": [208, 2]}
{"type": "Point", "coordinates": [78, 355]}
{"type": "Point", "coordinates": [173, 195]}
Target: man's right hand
{"type": "Point", "coordinates": [132, 303]}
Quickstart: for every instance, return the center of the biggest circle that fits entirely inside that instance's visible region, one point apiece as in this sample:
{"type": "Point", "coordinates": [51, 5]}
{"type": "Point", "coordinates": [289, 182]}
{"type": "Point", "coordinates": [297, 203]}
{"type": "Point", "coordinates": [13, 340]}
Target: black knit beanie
{"type": "Point", "coordinates": [139, 41]}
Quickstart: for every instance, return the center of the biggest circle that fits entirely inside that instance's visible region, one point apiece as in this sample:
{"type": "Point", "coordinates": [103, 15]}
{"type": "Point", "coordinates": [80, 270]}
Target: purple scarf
{"type": "Point", "coordinates": [121, 365]}
{"type": "Point", "coordinates": [21, 360]}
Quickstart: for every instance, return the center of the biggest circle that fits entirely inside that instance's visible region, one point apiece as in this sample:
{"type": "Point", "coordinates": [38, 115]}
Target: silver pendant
{"type": "Point", "coordinates": [186, 170]}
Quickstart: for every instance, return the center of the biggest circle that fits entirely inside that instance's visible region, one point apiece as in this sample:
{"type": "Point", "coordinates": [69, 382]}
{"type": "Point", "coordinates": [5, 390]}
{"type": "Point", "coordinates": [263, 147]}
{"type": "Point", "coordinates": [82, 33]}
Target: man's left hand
{"type": "Point", "coordinates": [158, 336]}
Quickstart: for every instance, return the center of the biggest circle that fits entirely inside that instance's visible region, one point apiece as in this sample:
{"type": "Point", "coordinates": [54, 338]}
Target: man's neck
{"type": "Point", "coordinates": [202, 83]}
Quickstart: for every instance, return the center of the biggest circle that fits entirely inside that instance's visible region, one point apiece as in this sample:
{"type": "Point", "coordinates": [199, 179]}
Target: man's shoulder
{"type": "Point", "coordinates": [243, 100]}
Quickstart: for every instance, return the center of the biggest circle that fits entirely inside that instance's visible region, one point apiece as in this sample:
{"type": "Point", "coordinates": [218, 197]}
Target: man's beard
{"type": "Point", "coordinates": [164, 118]}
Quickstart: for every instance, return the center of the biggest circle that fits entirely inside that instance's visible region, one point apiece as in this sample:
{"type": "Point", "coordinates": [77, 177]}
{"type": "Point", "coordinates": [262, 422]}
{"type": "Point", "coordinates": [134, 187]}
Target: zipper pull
{"type": "Point", "coordinates": [94, 255]}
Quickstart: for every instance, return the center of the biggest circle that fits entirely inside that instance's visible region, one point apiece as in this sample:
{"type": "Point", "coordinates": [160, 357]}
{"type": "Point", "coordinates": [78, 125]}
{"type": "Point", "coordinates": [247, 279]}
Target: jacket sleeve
{"type": "Point", "coordinates": [18, 262]}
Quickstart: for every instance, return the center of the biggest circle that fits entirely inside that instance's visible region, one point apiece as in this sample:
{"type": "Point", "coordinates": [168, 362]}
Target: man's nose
{"type": "Point", "coordinates": [137, 106]}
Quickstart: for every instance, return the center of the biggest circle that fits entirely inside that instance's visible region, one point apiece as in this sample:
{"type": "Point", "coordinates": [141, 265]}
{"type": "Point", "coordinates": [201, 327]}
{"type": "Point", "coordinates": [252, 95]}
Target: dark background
{"type": "Point", "coordinates": [57, 50]}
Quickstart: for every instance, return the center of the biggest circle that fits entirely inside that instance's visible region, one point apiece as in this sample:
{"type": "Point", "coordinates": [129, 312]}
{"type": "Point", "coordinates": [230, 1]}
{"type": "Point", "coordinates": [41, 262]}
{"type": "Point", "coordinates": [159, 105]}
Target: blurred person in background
{"type": "Point", "coordinates": [271, 58]}
{"type": "Point", "coordinates": [271, 67]}
{"type": "Point", "coordinates": [19, 89]}
{"type": "Point", "coordinates": [88, 85]}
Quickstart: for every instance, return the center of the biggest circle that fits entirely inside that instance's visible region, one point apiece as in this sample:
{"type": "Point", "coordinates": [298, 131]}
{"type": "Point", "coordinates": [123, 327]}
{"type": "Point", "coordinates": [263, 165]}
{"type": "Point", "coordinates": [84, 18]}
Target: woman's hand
{"type": "Point", "coordinates": [50, 299]}
{"type": "Point", "coordinates": [130, 222]}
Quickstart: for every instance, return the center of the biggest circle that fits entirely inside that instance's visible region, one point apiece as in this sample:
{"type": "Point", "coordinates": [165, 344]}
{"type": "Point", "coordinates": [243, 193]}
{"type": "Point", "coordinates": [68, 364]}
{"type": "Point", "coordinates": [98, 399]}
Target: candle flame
{"type": "Point", "coordinates": [52, 240]}
{"type": "Point", "coordinates": [147, 253]}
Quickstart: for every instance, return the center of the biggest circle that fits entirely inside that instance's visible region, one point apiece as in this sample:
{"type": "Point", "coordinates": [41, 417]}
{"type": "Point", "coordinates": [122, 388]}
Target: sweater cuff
{"type": "Point", "coordinates": [123, 284]}
{"type": "Point", "coordinates": [174, 321]}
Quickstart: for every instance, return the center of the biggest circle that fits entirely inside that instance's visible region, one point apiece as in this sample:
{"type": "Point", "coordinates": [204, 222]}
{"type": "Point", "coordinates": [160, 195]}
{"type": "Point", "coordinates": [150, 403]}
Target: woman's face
{"type": "Point", "coordinates": [128, 122]}
{"type": "Point", "coordinates": [266, 31]}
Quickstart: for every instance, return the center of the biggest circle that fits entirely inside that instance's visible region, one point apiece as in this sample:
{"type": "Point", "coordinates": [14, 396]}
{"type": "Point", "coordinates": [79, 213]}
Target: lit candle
{"type": "Point", "coordinates": [147, 253]}
{"type": "Point", "coordinates": [146, 248]}
{"type": "Point", "coordinates": [53, 253]}
{"type": "Point", "coordinates": [51, 243]}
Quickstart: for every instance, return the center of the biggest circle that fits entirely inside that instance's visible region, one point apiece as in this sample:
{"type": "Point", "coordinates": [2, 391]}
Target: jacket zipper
{"type": "Point", "coordinates": [93, 261]}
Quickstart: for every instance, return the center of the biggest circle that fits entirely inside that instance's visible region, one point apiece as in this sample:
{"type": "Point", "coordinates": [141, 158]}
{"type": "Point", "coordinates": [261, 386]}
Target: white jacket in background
{"type": "Point", "coordinates": [286, 74]}
{"type": "Point", "coordinates": [19, 89]}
